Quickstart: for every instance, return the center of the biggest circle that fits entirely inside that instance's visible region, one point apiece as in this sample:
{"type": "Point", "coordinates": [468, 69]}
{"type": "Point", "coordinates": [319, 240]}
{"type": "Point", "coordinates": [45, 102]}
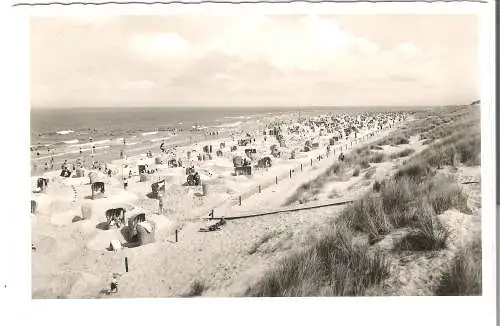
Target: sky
{"type": "Point", "coordinates": [253, 60]}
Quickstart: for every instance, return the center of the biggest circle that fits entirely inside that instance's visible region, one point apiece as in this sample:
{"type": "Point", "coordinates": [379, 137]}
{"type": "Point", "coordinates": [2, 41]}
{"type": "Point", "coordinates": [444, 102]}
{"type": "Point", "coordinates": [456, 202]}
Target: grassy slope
{"type": "Point", "coordinates": [346, 261]}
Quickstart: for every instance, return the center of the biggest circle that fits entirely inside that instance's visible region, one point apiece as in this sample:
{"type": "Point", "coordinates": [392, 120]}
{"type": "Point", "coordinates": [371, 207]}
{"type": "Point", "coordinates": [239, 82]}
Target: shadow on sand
{"type": "Point", "coordinates": [102, 226]}
{"type": "Point", "coordinates": [77, 218]}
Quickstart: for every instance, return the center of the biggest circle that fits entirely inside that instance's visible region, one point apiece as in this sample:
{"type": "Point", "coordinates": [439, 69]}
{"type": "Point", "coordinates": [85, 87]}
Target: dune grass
{"type": "Point", "coordinates": [307, 191]}
{"type": "Point", "coordinates": [403, 203]}
{"type": "Point", "coordinates": [465, 274]}
{"type": "Point", "coordinates": [265, 238]}
{"type": "Point", "coordinates": [197, 289]}
{"type": "Point", "coordinates": [403, 153]}
{"type": "Point", "coordinates": [340, 264]}
{"type": "Point", "coordinates": [394, 140]}
{"type": "Point", "coordinates": [333, 266]}
{"type": "Point", "coordinates": [370, 173]}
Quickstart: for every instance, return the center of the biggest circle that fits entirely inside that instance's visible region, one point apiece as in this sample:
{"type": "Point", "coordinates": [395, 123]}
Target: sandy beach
{"type": "Point", "coordinates": [72, 258]}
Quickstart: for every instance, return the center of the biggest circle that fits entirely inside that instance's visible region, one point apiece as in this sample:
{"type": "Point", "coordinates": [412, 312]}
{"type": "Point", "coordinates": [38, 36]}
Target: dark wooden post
{"type": "Point", "coordinates": [311, 162]}
{"type": "Point", "coordinates": [126, 264]}
{"type": "Point", "coordinates": [259, 189]}
{"type": "Point", "coordinates": [290, 174]}
{"type": "Point", "coordinates": [276, 179]}
{"type": "Point", "coordinates": [300, 167]}
{"type": "Point", "coordinates": [239, 200]}
{"type": "Point", "coordinates": [176, 235]}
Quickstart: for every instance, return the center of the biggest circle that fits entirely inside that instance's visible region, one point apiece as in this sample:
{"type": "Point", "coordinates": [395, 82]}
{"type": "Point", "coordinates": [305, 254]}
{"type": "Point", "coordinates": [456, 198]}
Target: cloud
{"type": "Point", "coordinates": [158, 45]}
{"type": "Point", "coordinates": [247, 59]}
{"type": "Point", "coordinates": [409, 49]}
{"type": "Point", "coordinates": [311, 44]}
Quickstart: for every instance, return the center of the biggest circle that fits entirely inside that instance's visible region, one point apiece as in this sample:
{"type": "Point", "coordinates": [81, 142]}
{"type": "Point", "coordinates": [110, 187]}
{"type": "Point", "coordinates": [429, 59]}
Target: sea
{"type": "Point", "coordinates": [65, 134]}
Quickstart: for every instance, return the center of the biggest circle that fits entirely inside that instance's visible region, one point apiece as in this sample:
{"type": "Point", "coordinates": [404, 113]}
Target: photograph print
{"type": "Point", "coordinates": [255, 155]}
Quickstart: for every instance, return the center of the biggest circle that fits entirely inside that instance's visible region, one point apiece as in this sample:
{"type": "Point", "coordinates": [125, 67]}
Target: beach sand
{"type": "Point", "coordinates": [72, 260]}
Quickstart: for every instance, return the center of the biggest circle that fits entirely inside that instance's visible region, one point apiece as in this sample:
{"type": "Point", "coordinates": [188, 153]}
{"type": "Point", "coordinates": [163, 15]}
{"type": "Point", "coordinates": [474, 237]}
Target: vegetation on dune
{"type": "Point", "coordinates": [333, 266]}
{"type": "Point", "coordinates": [370, 173]}
{"type": "Point", "coordinates": [363, 157]}
{"type": "Point", "coordinates": [310, 189]}
{"type": "Point", "coordinates": [465, 274]}
{"type": "Point", "coordinates": [265, 238]}
{"type": "Point", "coordinates": [403, 203]}
{"type": "Point", "coordinates": [403, 153]}
{"type": "Point", "coordinates": [394, 141]}
{"type": "Point", "coordinates": [197, 289]}
{"type": "Point", "coordinates": [341, 263]}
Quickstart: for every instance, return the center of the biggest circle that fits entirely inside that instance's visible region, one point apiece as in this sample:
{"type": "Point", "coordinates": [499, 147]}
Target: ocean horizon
{"type": "Point", "coordinates": [68, 133]}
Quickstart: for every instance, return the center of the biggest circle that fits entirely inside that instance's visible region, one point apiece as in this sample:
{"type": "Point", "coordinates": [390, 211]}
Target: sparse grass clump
{"type": "Point", "coordinates": [197, 289]}
{"type": "Point", "coordinates": [334, 169]}
{"type": "Point", "coordinates": [403, 153]}
{"type": "Point", "coordinates": [444, 194]}
{"type": "Point", "coordinates": [265, 238]}
{"type": "Point", "coordinates": [416, 172]}
{"type": "Point", "coordinates": [465, 275]}
{"type": "Point", "coordinates": [377, 158]}
{"type": "Point", "coordinates": [356, 172]}
{"type": "Point", "coordinates": [308, 190]}
{"type": "Point", "coordinates": [430, 233]}
{"type": "Point", "coordinates": [370, 173]}
{"type": "Point", "coordinates": [400, 138]}
{"type": "Point", "coordinates": [363, 159]}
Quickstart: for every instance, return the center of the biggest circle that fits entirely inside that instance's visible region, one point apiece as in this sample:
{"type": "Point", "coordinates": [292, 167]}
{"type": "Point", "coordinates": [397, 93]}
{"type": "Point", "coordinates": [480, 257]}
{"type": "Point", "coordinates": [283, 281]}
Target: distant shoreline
{"type": "Point", "coordinates": [382, 108]}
